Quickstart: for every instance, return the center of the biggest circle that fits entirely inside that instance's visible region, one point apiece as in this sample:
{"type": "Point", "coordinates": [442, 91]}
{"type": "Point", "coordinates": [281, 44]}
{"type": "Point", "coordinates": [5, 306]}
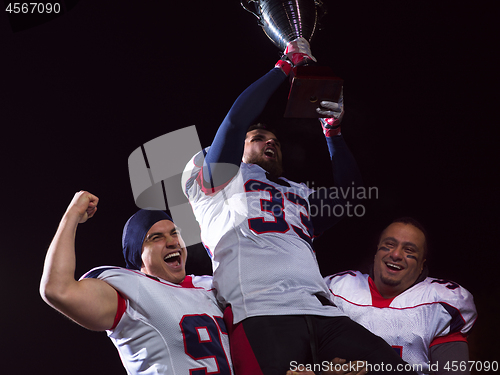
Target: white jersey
{"type": "Point", "coordinates": [431, 312]}
{"type": "Point", "coordinates": [167, 328]}
{"type": "Point", "coordinates": [258, 234]}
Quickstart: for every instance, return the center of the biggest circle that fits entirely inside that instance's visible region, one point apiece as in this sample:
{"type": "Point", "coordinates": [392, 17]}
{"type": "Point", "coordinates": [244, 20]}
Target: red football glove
{"type": "Point", "coordinates": [297, 52]}
{"type": "Point", "coordinates": [285, 66]}
{"type": "Point", "coordinates": [331, 126]}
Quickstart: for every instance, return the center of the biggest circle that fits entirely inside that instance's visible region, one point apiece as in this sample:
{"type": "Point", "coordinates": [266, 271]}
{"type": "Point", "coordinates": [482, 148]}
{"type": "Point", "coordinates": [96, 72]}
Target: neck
{"type": "Point", "coordinates": [385, 290]}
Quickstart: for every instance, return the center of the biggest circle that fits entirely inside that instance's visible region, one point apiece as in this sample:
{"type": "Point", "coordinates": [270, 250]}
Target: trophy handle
{"type": "Point", "coordinates": [322, 11]}
{"type": "Point", "coordinates": [246, 5]}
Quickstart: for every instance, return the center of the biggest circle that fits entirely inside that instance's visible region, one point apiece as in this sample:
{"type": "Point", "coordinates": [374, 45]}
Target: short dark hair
{"type": "Point", "coordinates": [262, 126]}
{"type": "Point", "coordinates": [416, 224]}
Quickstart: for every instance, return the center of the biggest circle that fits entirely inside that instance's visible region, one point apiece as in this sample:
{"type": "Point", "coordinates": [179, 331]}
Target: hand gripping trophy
{"type": "Point", "coordinates": [284, 21]}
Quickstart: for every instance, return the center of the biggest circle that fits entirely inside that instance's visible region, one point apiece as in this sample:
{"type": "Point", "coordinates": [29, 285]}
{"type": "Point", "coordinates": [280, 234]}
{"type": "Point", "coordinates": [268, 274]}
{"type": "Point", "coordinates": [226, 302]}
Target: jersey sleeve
{"type": "Point", "coordinates": [193, 179]}
{"type": "Point", "coordinates": [452, 337]}
{"type": "Point", "coordinates": [460, 310]}
{"type": "Point", "coordinates": [122, 306]}
{"type": "Point", "coordinates": [334, 281]}
{"type": "Point", "coordinates": [349, 286]}
{"type": "Point", "coordinates": [97, 273]}
{"type": "Point", "coordinates": [121, 279]}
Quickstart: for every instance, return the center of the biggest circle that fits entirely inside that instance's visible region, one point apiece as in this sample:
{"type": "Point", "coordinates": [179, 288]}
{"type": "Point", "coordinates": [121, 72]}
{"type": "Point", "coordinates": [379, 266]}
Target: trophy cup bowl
{"type": "Point", "coordinates": [284, 21]}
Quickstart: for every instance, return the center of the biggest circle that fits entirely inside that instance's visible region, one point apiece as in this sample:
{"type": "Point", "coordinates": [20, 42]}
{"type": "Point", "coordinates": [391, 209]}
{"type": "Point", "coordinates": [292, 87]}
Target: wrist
{"type": "Point", "coordinates": [331, 126]}
{"type": "Point", "coordinates": [285, 66]}
{"type": "Point", "coordinates": [72, 216]}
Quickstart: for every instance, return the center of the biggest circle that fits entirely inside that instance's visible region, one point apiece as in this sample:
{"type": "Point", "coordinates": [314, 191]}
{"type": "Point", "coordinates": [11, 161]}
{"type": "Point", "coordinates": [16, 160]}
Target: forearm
{"type": "Point", "coordinates": [91, 303]}
{"type": "Point", "coordinates": [337, 201]}
{"type": "Point", "coordinates": [60, 262]}
{"type": "Point", "coordinates": [442, 356]}
{"type": "Point", "coordinates": [344, 167]}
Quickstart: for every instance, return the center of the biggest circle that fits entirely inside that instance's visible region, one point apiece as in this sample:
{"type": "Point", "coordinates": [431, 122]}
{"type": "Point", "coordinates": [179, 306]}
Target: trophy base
{"type": "Point", "coordinates": [310, 86]}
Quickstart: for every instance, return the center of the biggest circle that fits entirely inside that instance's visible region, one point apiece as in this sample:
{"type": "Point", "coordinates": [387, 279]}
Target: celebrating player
{"type": "Point", "coordinates": [257, 227]}
{"type": "Point", "coordinates": [160, 320]}
{"type": "Point", "coordinates": [424, 318]}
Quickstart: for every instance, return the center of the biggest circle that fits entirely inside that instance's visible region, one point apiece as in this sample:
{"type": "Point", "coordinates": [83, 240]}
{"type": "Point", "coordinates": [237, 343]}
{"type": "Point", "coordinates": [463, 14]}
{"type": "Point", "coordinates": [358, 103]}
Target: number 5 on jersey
{"type": "Point", "coordinates": [275, 206]}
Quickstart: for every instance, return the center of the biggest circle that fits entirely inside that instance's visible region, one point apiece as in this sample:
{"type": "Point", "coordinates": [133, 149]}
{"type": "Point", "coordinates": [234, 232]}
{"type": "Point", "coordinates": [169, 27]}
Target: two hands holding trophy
{"type": "Point", "coordinates": [290, 24]}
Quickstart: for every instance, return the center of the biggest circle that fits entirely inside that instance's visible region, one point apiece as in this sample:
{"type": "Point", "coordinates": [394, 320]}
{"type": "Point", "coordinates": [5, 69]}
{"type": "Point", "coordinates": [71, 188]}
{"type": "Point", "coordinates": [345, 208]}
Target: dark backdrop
{"type": "Point", "coordinates": [79, 93]}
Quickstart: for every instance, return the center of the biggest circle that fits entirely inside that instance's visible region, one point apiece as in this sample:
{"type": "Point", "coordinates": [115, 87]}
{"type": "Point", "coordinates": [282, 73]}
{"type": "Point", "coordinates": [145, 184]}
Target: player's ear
{"type": "Point", "coordinates": [422, 266]}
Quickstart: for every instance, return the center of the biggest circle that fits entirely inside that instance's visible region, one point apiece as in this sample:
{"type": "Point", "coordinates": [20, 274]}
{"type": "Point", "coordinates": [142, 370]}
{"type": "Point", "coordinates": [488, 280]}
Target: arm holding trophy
{"type": "Point", "coordinates": [284, 21]}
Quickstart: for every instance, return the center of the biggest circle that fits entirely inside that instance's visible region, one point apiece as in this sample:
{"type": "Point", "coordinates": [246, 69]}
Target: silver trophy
{"type": "Point", "coordinates": [286, 20]}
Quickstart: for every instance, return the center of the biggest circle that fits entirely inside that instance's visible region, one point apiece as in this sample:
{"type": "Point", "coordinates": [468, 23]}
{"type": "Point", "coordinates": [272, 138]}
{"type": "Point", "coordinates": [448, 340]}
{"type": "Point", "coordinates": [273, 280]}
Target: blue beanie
{"type": "Point", "coordinates": [135, 231]}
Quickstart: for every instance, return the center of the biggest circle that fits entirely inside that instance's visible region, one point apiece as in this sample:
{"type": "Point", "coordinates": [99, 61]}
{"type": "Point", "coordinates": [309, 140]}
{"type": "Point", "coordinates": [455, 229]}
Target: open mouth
{"type": "Point", "coordinates": [173, 259]}
{"type": "Point", "coordinates": [394, 267]}
{"type": "Point", "coordinates": [270, 153]}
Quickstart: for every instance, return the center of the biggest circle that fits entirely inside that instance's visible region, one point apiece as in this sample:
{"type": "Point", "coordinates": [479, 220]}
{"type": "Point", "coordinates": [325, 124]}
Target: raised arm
{"type": "Point", "coordinates": [346, 175]}
{"type": "Point", "coordinates": [91, 303]}
{"type": "Point", "coordinates": [228, 144]}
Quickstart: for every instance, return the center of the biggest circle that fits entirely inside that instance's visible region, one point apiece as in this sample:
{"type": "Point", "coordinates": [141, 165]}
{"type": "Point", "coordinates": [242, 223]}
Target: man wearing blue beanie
{"type": "Point", "coordinates": [161, 320]}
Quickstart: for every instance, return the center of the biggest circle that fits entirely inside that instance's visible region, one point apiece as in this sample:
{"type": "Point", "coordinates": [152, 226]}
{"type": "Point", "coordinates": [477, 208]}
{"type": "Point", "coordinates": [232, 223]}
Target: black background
{"type": "Point", "coordinates": [80, 92]}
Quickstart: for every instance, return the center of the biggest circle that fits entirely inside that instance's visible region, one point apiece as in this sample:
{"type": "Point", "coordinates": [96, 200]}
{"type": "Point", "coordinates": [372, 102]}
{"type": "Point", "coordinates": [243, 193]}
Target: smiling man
{"type": "Point", "coordinates": [400, 258]}
{"type": "Point", "coordinates": [161, 320]}
{"type": "Point", "coordinates": [426, 320]}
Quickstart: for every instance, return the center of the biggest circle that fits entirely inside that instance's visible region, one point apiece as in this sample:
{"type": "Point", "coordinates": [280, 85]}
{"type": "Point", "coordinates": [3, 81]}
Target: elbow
{"type": "Point", "coordinates": [52, 293]}
{"type": "Point", "coordinates": [47, 293]}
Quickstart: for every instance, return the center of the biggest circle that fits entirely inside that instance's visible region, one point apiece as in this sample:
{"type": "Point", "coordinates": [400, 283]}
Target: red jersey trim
{"type": "Point", "coordinates": [456, 336]}
{"type": "Point", "coordinates": [187, 282]}
{"type": "Point", "coordinates": [212, 190]}
{"type": "Point", "coordinates": [377, 299]}
{"type": "Point", "coordinates": [387, 301]}
{"type": "Point", "coordinates": [122, 306]}
{"type": "Point", "coordinates": [245, 363]}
